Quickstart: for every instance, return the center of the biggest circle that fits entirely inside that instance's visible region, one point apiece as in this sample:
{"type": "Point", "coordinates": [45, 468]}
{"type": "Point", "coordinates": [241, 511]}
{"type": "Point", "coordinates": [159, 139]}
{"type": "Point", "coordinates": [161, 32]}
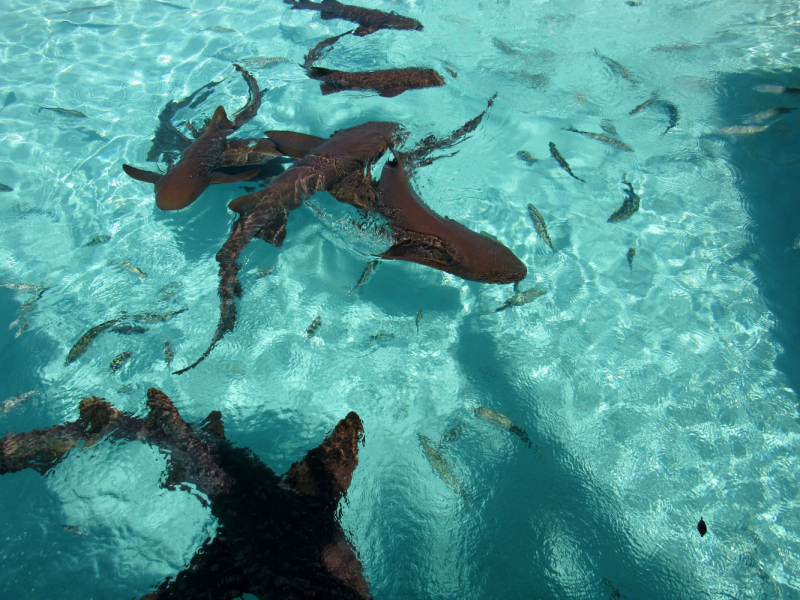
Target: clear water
{"type": "Point", "coordinates": [653, 395]}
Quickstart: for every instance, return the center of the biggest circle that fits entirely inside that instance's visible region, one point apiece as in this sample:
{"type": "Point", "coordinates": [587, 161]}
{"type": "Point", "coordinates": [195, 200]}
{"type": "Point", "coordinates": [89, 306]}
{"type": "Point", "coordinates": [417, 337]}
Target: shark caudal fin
{"type": "Point", "coordinates": [326, 471]}
{"type": "Point", "coordinates": [141, 175]}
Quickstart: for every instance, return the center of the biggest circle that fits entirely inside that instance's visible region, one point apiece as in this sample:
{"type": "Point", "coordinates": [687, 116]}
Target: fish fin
{"type": "Point", "coordinates": [392, 93]}
{"type": "Point", "coordinates": [274, 232]}
{"type": "Point", "coordinates": [220, 177]}
{"type": "Point", "coordinates": [327, 470]}
{"type": "Point", "coordinates": [292, 144]}
{"type": "Point", "coordinates": [141, 175]}
{"type": "Point", "coordinates": [327, 88]}
{"type": "Point", "coordinates": [213, 425]}
{"type": "Point", "coordinates": [219, 121]}
{"type": "Point", "coordinates": [244, 204]}
{"type": "Point", "coordinates": [316, 72]}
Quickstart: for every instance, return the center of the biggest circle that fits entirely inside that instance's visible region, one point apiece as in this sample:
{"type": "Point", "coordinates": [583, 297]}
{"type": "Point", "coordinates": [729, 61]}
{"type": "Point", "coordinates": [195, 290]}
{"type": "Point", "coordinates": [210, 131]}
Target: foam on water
{"type": "Point", "coordinates": [649, 393]}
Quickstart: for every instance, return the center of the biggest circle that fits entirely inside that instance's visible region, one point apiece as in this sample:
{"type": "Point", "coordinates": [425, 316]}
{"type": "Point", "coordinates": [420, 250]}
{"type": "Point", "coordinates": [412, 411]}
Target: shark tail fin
{"type": "Point", "coordinates": [141, 175]}
{"type": "Point", "coordinates": [326, 471]}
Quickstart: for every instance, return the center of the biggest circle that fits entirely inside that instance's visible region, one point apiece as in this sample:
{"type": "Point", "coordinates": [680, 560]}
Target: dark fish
{"type": "Point", "coordinates": [83, 9]}
{"type": "Point", "coordinates": [526, 157]}
{"type": "Point", "coordinates": [157, 317]}
{"type": "Point", "coordinates": [615, 67]}
{"type": "Point", "coordinates": [602, 137]}
{"type": "Point", "coordinates": [5, 188]}
{"type": "Point", "coordinates": [388, 83]}
{"type": "Point", "coordinates": [90, 135]}
{"type": "Point", "coordinates": [629, 255]}
{"type": "Point", "coordinates": [633, 3]}
{"type": "Point", "coordinates": [277, 537]}
{"type": "Point", "coordinates": [169, 353]}
{"type": "Point", "coordinates": [629, 206]}
{"type": "Point", "coordinates": [98, 239]}
{"type": "Point", "coordinates": [315, 324]}
{"type": "Point", "coordinates": [120, 358]}
{"type": "Point", "coordinates": [418, 319]}
{"type": "Point", "coordinates": [498, 419]}
{"type": "Point", "coordinates": [74, 530]}
{"type": "Point", "coordinates": [701, 527]}
{"type": "Point", "coordinates": [541, 228]}
{"type": "Point", "coordinates": [672, 114]}
{"type": "Point", "coordinates": [128, 329]}
{"type": "Point", "coordinates": [366, 275]}
{"type": "Point", "coordinates": [64, 111]}
{"type": "Point", "coordinates": [452, 73]}
{"type": "Point", "coordinates": [369, 20]}
{"type": "Point", "coordinates": [321, 49]}
{"type": "Point", "coordinates": [563, 163]}
{"type": "Point", "coordinates": [521, 298]}
{"type": "Point", "coordinates": [608, 127]}
{"type": "Point", "coordinates": [644, 105]}
{"type": "Point", "coordinates": [199, 163]}
{"type": "Point", "coordinates": [82, 345]}
{"type": "Point", "coordinates": [10, 99]}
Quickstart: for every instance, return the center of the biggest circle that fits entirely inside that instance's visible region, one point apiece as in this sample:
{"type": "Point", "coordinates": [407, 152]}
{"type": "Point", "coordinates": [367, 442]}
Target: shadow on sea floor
{"type": "Point", "coordinates": [769, 166]}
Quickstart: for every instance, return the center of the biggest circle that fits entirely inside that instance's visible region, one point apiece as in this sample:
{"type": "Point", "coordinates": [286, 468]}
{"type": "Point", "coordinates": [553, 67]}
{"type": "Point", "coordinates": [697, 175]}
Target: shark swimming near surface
{"type": "Point", "coordinates": [368, 19]}
{"type": "Point", "coordinates": [277, 537]}
{"type": "Point", "coordinates": [199, 163]}
{"type": "Point", "coordinates": [388, 82]}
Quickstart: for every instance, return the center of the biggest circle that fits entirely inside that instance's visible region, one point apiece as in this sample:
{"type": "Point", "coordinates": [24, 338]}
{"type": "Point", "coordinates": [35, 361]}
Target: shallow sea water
{"type": "Point", "coordinates": [653, 394]}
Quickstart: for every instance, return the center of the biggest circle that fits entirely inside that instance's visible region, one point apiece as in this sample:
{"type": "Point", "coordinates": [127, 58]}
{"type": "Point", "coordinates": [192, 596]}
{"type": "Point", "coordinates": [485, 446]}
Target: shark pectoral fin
{"type": "Point", "coordinates": [244, 204]}
{"type": "Point", "coordinates": [220, 177]}
{"type": "Point", "coordinates": [292, 144]}
{"type": "Point", "coordinates": [421, 253]}
{"type": "Point", "coordinates": [327, 470]}
{"type": "Point", "coordinates": [392, 92]}
{"type": "Point", "coordinates": [141, 175]}
{"type": "Point", "coordinates": [274, 232]}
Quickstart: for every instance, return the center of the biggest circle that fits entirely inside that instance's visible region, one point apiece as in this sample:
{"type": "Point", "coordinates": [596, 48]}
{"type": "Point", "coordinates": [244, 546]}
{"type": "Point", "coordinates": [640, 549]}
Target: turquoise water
{"type": "Point", "coordinates": [653, 394]}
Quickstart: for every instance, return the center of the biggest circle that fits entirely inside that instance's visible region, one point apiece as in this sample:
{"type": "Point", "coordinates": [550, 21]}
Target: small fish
{"type": "Point", "coordinates": [131, 268]}
{"type": "Point", "coordinates": [366, 275]}
{"type": "Point", "coordinates": [382, 336]}
{"type": "Point", "coordinates": [629, 255]}
{"type": "Point", "coordinates": [672, 114]}
{"type": "Point", "coordinates": [796, 245]}
{"type": "Point", "coordinates": [644, 105]}
{"type": "Point", "coordinates": [259, 62]}
{"type": "Point", "coordinates": [615, 67]}
{"type": "Point", "coordinates": [169, 353]}
{"type": "Point", "coordinates": [265, 272]}
{"type": "Point", "coordinates": [15, 402]}
{"type": "Point", "coordinates": [541, 228]}
{"type": "Point", "coordinates": [171, 5]}
{"type": "Point", "coordinates": [777, 89]}
{"type": "Point", "coordinates": [633, 3]}
{"type": "Point", "coordinates": [80, 347]}
{"type": "Point", "coordinates": [64, 111]}
{"type": "Point", "coordinates": [21, 287]}
{"type": "Point", "coordinates": [418, 319]}
{"type": "Point", "coordinates": [120, 358]}
{"type": "Point", "coordinates": [498, 419]}
{"type": "Point", "coordinates": [674, 47]}
{"type": "Point", "coordinates": [98, 239]}
{"type": "Point", "coordinates": [157, 317]}
{"type": "Point", "coordinates": [741, 129]}
{"type": "Point", "coordinates": [10, 99]}
{"type": "Point", "coordinates": [602, 137]}
{"type": "Point", "coordinates": [701, 527]}
{"type": "Point", "coordinates": [219, 29]}
{"type": "Point", "coordinates": [521, 298]}
{"type": "Point", "coordinates": [439, 464]}
{"type": "Point", "coordinates": [767, 114]}
{"type": "Point", "coordinates": [83, 9]}
{"type": "Point", "coordinates": [126, 389]}
{"type": "Point", "coordinates": [505, 47]}
{"type": "Point", "coordinates": [452, 73]}
{"type": "Point", "coordinates": [75, 530]}
{"type": "Point", "coordinates": [629, 206]}
{"type": "Point", "coordinates": [169, 291]}
{"type": "Point", "coordinates": [564, 164]}
{"type": "Point", "coordinates": [608, 127]}
{"type": "Point", "coordinates": [315, 324]}
{"type": "Point", "coordinates": [90, 135]}
{"type": "Point", "coordinates": [21, 324]}
{"type": "Point", "coordinates": [5, 188]}
{"type": "Point", "coordinates": [128, 329]}
{"type": "Point", "coordinates": [526, 157]}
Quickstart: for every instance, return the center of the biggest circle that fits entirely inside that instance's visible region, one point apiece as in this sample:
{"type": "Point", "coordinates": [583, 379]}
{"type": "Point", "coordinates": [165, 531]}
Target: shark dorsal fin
{"type": "Point", "coordinates": [327, 470]}
{"type": "Point", "coordinates": [220, 120]}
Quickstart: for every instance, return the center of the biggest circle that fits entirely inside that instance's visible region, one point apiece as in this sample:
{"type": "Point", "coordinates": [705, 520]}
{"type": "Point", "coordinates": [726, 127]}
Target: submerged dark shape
{"type": "Point", "coordinates": [602, 137]}
{"type": "Point", "coordinates": [319, 51]}
{"type": "Point", "coordinates": [701, 527]}
{"type": "Point", "coordinates": [199, 164]}
{"type": "Point", "coordinates": [629, 206]}
{"type": "Point", "coordinates": [276, 537]}
{"type": "Point", "coordinates": [562, 161]}
{"type": "Point", "coordinates": [630, 254]}
{"type": "Point", "coordinates": [370, 20]}
{"type": "Point", "coordinates": [672, 114]}
{"type": "Point", "coordinates": [67, 112]}
{"type": "Point", "coordinates": [388, 82]}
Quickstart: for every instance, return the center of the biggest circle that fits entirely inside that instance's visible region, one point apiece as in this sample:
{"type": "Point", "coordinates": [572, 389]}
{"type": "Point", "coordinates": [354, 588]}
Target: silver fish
{"type": "Point", "coordinates": [767, 114]}
{"type": "Point", "coordinates": [83, 9]}
{"type": "Point", "coordinates": [741, 129]}
{"type": "Point", "coordinates": [498, 419]}
{"type": "Point", "coordinates": [80, 347]}
{"type": "Point", "coordinates": [629, 255]}
{"type": "Point", "coordinates": [98, 239]}
{"type": "Point", "coordinates": [419, 318]}
{"type": "Point", "coordinates": [602, 137]}
{"type": "Point", "coordinates": [674, 47]}
{"type": "Point", "coordinates": [21, 287]}
{"type": "Point", "coordinates": [521, 298]}
{"type": "Point", "coordinates": [644, 105]}
{"type": "Point", "coordinates": [608, 127]}
{"type": "Point", "coordinates": [439, 464]}
{"type": "Point", "coordinates": [259, 62]}
{"type": "Point", "coordinates": [505, 47]}
{"type": "Point", "coordinates": [219, 29]}
{"type": "Point", "coordinates": [629, 206]}
{"type": "Point", "coordinates": [615, 67]}
{"type": "Point", "coordinates": [16, 401]}
{"type": "Point", "coordinates": [265, 272]}
{"type": "Point", "coordinates": [169, 291]}
{"type": "Point", "coordinates": [130, 267]}
{"type": "Point", "coordinates": [64, 111]}
{"type": "Point", "coordinates": [366, 275]}
{"type": "Point", "coordinates": [562, 162]}
{"type": "Point", "coordinates": [541, 228]}
{"type": "Point", "coordinates": [315, 324]}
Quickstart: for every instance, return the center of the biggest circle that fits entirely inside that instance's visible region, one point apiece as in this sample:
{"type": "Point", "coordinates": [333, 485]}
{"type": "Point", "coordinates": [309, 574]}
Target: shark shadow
{"type": "Point", "coordinates": [200, 163]}
{"type": "Point", "coordinates": [278, 537]}
{"type": "Point", "coordinates": [368, 19]}
{"type": "Point", "coordinates": [341, 165]}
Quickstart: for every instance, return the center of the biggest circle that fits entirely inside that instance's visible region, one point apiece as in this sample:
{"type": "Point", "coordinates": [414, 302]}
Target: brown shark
{"type": "Point", "coordinates": [198, 166]}
{"type": "Point", "coordinates": [277, 537]}
{"type": "Point", "coordinates": [388, 82]}
{"type": "Point", "coordinates": [370, 20]}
